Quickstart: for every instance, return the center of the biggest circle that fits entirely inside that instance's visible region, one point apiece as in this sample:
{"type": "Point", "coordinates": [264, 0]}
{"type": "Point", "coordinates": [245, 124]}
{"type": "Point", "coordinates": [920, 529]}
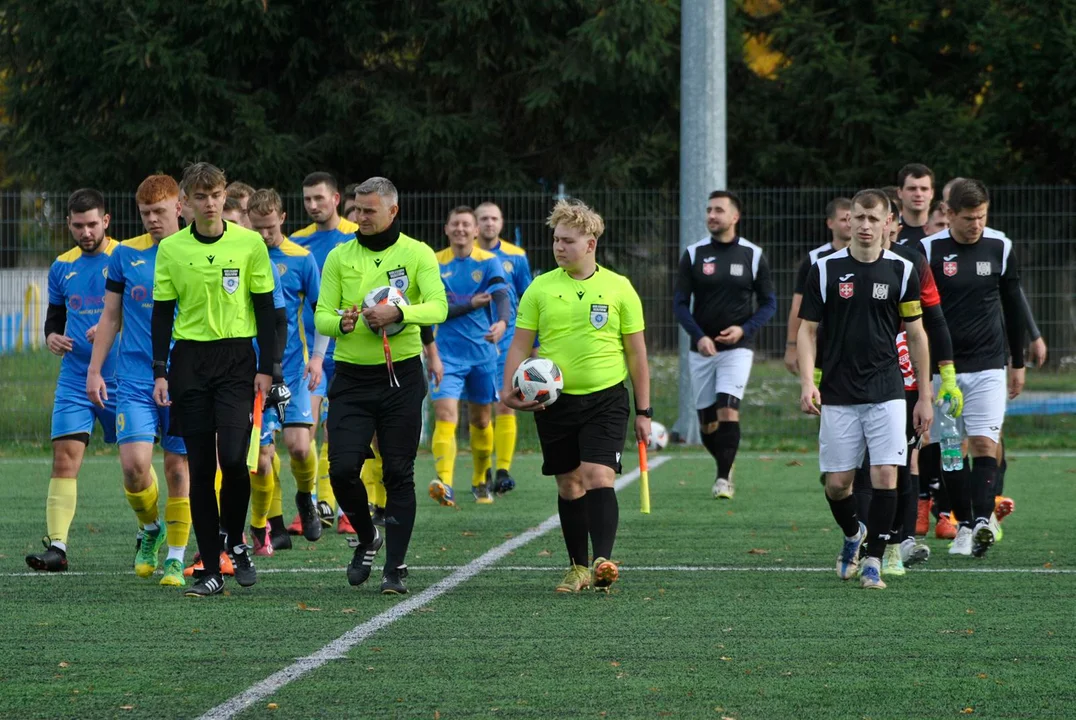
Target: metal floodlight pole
{"type": "Point", "coordinates": [702, 148]}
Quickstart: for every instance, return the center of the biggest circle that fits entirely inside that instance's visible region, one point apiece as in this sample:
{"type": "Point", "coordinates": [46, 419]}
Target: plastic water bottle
{"type": "Point", "coordinates": [949, 439]}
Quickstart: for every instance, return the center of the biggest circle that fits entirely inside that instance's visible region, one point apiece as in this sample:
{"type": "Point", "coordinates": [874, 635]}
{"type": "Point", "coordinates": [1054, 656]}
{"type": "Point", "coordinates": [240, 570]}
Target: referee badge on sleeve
{"type": "Point", "coordinates": [599, 316]}
{"type": "Point", "coordinates": [229, 279]}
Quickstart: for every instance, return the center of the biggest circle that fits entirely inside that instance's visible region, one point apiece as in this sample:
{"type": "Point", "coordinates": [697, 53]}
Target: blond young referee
{"type": "Point", "coordinates": [590, 321]}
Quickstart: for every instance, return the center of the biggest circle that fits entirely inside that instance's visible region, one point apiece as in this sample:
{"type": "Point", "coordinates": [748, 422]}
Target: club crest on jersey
{"type": "Point", "coordinates": [477, 276]}
{"type": "Point", "coordinates": [708, 268]}
{"type": "Point", "coordinates": [508, 267]}
{"type": "Point", "coordinates": [846, 290]}
{"type": "Point", "coordinates": [398, 279]}
{"type": "Point", "coordinates": [599, 315]}
{"type": "Point", "coordinates": [281, 268]}
{"type": "Point", "coordinates": [881, 291]}
{"type": "Point", "coordinates": [982, 268]}
{"type": "Point", "coordinates": [949, 268]}
{"type": "Point", "coordinates": [736, 269]}
{"type": "Point", "coordinates": [229, 279]}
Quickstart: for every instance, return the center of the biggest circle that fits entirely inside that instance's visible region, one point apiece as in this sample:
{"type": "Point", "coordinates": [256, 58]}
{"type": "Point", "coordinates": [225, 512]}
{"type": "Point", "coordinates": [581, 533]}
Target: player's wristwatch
{"type": "Point", "coordinates": [645, 412]}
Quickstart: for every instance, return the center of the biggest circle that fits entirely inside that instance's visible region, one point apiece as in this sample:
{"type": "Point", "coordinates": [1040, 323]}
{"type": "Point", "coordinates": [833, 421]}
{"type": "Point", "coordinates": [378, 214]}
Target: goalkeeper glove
{"type": "Point", "coordinates": [949, 390]}
{"type": "Point", "coordinates": [279, 397]}
{"type": "Point", "coordinates": [817, 377]}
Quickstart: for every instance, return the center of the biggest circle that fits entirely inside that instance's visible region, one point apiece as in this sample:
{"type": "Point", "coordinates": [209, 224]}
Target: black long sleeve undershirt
{"type": "Point", "coordinates": [1015, 323]}
{"type": "Point", "coordinates": [55, 319]}
{"type": "Point", "coordinates": [164, 316]}
{"type": "Point", "coordinates": [1033, 331]}
{"type": "Point", "coordinates": [941, 343]}
{"type": "Point", "coordinates": [504, 307]}
{"type": "Point", "coordinates": [265, 319]}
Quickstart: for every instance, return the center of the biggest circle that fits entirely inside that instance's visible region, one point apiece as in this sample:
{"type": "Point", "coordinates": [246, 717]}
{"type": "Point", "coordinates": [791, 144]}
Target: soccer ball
{"type": "Point", "coordinates": [538, 379]}
{"type": "Point", "coordinates": [384, 296]}
{"type": "Point", "coordinates": [659, 436]}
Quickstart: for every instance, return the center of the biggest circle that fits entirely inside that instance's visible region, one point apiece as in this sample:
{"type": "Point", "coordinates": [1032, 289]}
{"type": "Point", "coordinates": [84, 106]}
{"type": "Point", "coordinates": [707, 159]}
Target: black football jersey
{"type": "Point", "coordinates": [862, 306]}
{"type": "Point", "coordinates": [979, 286]}
{"type": "Point", "coordinates": [808, 262]}
{"type": "Point", "coordinates": [726, 280]}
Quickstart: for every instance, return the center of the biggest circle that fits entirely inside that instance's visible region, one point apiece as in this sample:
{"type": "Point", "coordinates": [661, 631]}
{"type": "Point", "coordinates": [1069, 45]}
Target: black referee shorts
{"type": "Point", "coordinates": [211, 385]}
{"type": "Point", "coordinates": [361, 402]}
{"type": "Point", "coordinates": [584, 428]}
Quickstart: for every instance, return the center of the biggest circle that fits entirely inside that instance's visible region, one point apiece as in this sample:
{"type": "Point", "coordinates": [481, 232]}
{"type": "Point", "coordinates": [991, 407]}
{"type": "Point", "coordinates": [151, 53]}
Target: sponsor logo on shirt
{"type": "Point", "coordinates": [846, 289]}
{"type": "Point", "coordinates": [736, 270]}
{"type": "Point", "coordinates": [599, 315]}
{"type": "Point", "coordinates": [229, 280]}
{"type": "Point", "coordinates": [708, 268]}
{"type": "Point", "coordinates": [398, 279]}
{"type": "Point", "coordinates": [881, 291]}
{"type": "Point", "coordinates": [982, 268]}
{"type": "Point", "coordinates": [138, 293]}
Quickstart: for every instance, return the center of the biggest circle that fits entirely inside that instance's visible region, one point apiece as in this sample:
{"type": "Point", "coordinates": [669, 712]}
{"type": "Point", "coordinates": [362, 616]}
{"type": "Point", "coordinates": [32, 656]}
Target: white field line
{"type": "Point", "coordinates": [339, 647]}
{"type": "Point", "coordinates": [625, 567]}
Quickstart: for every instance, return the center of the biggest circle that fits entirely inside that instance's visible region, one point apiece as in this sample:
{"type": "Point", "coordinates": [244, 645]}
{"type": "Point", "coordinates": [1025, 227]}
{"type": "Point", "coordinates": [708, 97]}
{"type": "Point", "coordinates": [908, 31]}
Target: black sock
{"type": "Point", "coordinates": [911, 508]}
{"type": "Point", "coordinates": [202, 462]}
{"type": "Point", "coordinates": [259, 533]}
{"type": "Point", "coordinates": [999, 489]}
{"type": "Point", "coordinates": [929, 469]}
{"type": "Point", "coordinates": [345, 470]}
{"type": "Point", "coordinates": [880, 521]}
{"type": "Point", "coordinates": [844, 512]}
{"type": "Point", "coordinates": [956, 485]}
{"type": "Point", "coordinates": [862, 490]}
{"type": "Point", "coordinates": [276, 525]}
{"type": "Point", "coordinates": [399, 522]}
{"type": "Point", "coordinates": [728, 442]}
{"type": "Point", "coordinates": [603, 515]}
{"type": "Point", "coordinates": [984, 477]}
{"type": "Point", "coordinates": [709, 441]}
{"type": "Point", "coordinates": [303, 498]}
{"type": "Point", "coordinates": [573, 524]}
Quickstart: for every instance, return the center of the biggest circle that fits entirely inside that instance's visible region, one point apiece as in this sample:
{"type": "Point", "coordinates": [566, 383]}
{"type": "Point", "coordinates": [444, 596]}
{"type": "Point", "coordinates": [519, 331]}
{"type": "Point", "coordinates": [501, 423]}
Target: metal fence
{"type": "Point", "coordinates": [642, 227]}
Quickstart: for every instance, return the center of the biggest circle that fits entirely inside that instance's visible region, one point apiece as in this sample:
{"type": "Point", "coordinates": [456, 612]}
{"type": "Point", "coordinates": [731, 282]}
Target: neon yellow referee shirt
{"type": "Point", "coordinates": [212, 282]}
{"type": "Point", "coordinates": [581, 324]}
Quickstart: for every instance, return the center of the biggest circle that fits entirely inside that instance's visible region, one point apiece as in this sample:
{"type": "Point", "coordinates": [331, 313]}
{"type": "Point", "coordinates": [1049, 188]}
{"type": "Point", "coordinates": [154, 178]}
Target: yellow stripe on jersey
{"type": "Point", "coordinates": [911, 309]}
{"type": "Point", "coordinates": [76, 252]}
{"type": "Point", "coordinates": [509, 249]}
{"type": "Point", "coordinates": [302, 328]}
{"type": "Point", "coordinates": [142, 242]}
{"type": "Point", "coordinates": [292, 249]}
{"type": "Point", "coordinates": [446, 255]}
{"type": "Point", "coordinates": [345, 227]}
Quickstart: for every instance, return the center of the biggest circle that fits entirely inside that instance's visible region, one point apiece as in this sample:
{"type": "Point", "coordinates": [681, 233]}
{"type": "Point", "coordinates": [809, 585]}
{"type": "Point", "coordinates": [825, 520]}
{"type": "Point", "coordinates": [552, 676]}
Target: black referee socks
{"type": "Point", "coordinates": [573, 523]}
{"type": "Point", "coordinates": [603, 515]}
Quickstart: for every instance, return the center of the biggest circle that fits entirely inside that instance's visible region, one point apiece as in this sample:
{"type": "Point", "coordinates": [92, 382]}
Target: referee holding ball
{"type": "Point", "coordinates": [590, 321]}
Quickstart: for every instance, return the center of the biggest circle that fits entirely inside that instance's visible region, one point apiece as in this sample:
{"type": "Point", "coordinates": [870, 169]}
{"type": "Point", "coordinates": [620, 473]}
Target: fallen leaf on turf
{"type": "Point", "coordinates": [436, 715]}
{"type": "Point", "coordinates": [793, 463]}
{"type": "Point", "coordinates": [615, 664]}
{"type": "Point", "coordinates": [967, 711]}
{"type": "Point", "coordinates": [509, 535]}
{"type": "Point", "coordinates": [348, 610]}
{"type": "Point", "coordinates": [1047, 565]}
{"type": "Point", "coordinates": [544, 553]}
{"type": "Point", "coordinates": [443, 548]}
{"type": "Point", "coordinates": [65, 664]}
{"type": "Point", "coordinates": [126, 707]}
{"type": "Point", "coordinates": [981, 676]}
{"type": "Point", "coordinates": [375, 649]}
{"type": "Point", "coordinates": [369, 668]}
{"type": "Point", "coordinates": [969, 611]}
{"type": "Point", "coordinates": [682, 483]}
{"type": "Point", "coordinates": [765, 458]}
{"type": "Point", "coordinates": [272, 706]}
{"type": "Point", "coordinates": [758, 551]}
{"type": "Point", "coordinates": [426, 609]}
{"type": "Point", "coordinates": [467, 533]}
{"type": "Point", "coordinates": [304, 606]}
{"type": "Point", "coordinates": [725, 658]}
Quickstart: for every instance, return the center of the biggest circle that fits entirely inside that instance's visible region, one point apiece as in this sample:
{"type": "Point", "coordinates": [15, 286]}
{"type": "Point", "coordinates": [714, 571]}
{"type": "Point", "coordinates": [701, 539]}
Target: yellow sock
{"type": "Point", "coordinates": [306, 471]}
{"type": "Point", "coordinates": [261, 496]}
{"type": "Point", "coordinates": [325, 488]}
{"type": "Point", "coordinates": [276, 505]}
{"type": "Point", "coordinates": [60, 508]}
{"type": "Point", "coordinates": [371, 478]}
{"type": "Point", "coordinates": [144, 502]}
{"type": "Point", "coordinates": [217, 480]}
{"type": "Point", "coordinates": [504, 440]}
{"type": "Point", "coordinates": [444, 450]}
{"type": "Point", "coordinates": [377, 471]}
{"type": "Point", "coordinates": [482, 452]}
{"type": "Point", "coordinates": [177, 521]}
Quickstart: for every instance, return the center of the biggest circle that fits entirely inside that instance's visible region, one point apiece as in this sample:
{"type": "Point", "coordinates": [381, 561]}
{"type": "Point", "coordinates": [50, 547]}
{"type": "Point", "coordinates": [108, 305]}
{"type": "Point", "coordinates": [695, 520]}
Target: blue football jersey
{"type": "Point", "coordinates": [130, 272]}
{"type": "Point", "coordinates": [517, 272]}
{"type": "Point", "coordinates": [77, 281]}
{"type": "Point", "coordinates": [461, 340]}
{"type": "Point", "coordinates": [300, 282]}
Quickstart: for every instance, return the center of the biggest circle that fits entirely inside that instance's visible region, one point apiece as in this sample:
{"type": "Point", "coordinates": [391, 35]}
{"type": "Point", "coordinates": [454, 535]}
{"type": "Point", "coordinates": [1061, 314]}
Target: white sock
{"type": "Point", "coordinates": [58, 545]}
{"type": "Point", "coordinates": [176, 553]}
{"type": "Point", "coordinates": [152, 527]}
